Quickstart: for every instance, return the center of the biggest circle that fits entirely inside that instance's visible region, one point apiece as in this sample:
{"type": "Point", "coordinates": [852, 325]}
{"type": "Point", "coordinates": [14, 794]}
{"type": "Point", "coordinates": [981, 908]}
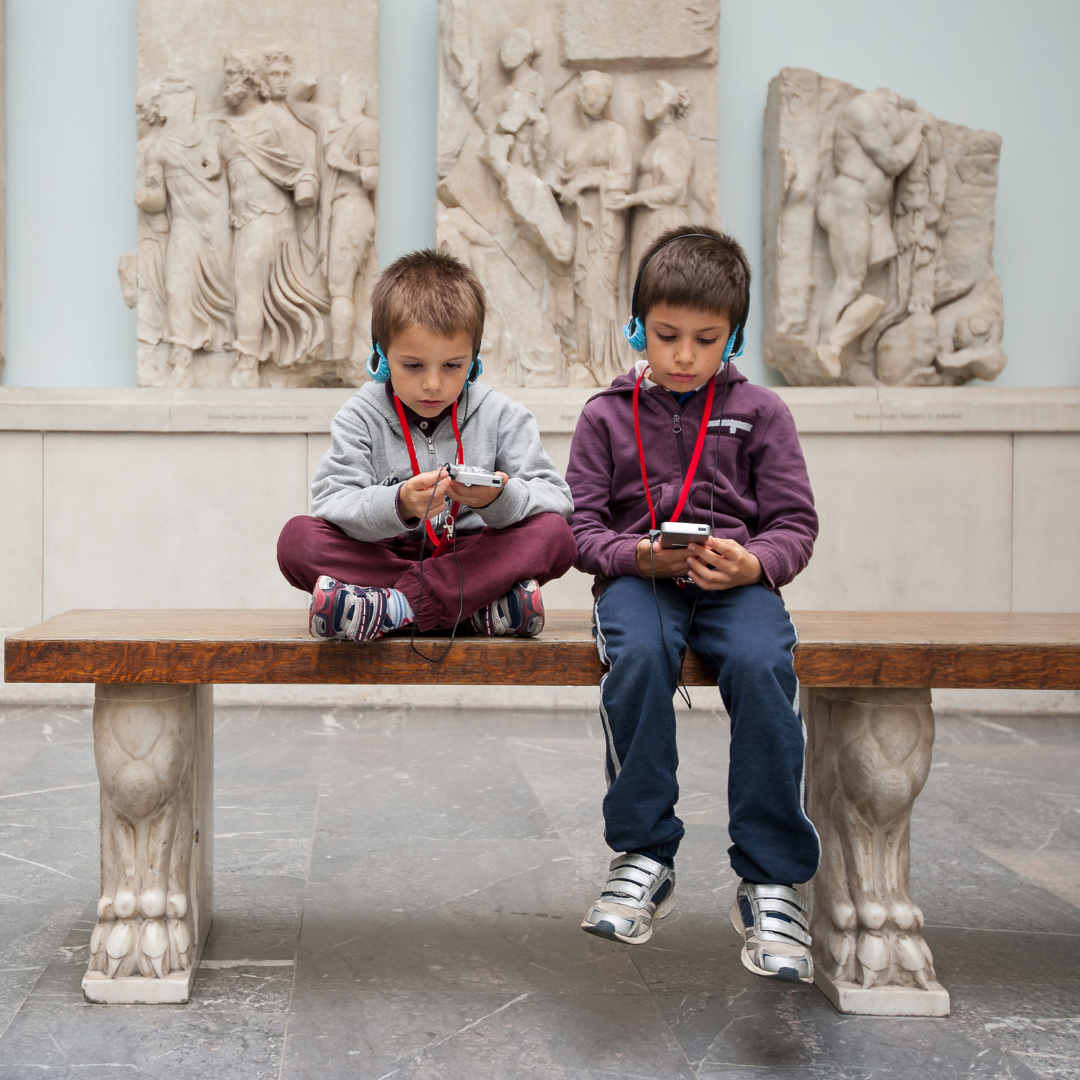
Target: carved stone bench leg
{"type": "Point", "coordinates": [154, 748]}
{"type": "Point", "coordinates": [868, 757]}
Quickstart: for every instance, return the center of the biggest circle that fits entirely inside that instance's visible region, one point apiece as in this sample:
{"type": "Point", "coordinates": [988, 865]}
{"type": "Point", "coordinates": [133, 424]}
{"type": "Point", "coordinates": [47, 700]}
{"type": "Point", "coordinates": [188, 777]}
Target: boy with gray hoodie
{"type": "Point", "coordinates": [393, 538]}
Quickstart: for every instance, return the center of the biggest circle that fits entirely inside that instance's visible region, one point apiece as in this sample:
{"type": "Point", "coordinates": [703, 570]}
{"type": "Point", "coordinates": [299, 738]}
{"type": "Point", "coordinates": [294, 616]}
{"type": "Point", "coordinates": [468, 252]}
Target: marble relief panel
{"type": "Point", "coordinates": [257, 174]}
{"type": "Point", "coordinates": [571, 133]}
{"type": "Point", "coordinates": [878, 226]}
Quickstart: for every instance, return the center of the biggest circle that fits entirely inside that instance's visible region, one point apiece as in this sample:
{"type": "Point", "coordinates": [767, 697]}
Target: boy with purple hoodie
{"type": "Point", "coordinates": [684, 437]}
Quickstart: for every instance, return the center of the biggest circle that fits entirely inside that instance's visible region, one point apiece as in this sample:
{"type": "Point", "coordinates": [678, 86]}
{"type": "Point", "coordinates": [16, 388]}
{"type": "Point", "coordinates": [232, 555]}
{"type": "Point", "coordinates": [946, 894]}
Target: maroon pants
{"type": "Point", "coordinates": [492, 562]}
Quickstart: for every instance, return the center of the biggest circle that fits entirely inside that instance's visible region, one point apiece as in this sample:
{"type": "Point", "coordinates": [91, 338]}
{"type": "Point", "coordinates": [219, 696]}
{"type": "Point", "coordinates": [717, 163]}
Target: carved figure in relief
{"type": "Point", "coordinates": [593, 175]}
{"type": "Point", "coordinates": [877, 136]}
{"type": "Point", "coordinates": [183, 176]}
{"type": "Point", "coordinates": [869, 758]}
{"type": "Point", "coordinates": [144, 759]}
{"type": "Point", "coordinates": [278, 313]}
{"type": "Point", "coordinates": [878, 239]}
{"type": "Point", "coordinates": [973, 348]}
{"type": "Point", "coordinates": [523, 114]}
{"type": "Point", "coordinates": [517, 151]}
{"type": "Point", "coordinates": [348, 157]}
{"type": "Point", "coordinates": [144, 279]}
{"type": "Point", "coordinates": [278, 67]}
{"type": "Point", "coordinates": [664, 172]}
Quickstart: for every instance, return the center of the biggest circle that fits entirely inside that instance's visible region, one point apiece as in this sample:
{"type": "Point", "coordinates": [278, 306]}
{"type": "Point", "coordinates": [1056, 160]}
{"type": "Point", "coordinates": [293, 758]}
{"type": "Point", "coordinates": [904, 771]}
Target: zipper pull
{"type": "Point", "coordinates": [676, 424]}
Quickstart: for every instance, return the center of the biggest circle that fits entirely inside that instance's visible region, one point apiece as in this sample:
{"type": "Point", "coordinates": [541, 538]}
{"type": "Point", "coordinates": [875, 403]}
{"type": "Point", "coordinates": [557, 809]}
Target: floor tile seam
{"type": "Point", "coordinates": [1001, 930]}
{"type": "Point", "coordinates": [660, 1012]}
{"type": "Point", "coordinates": [37, 979]}
{"type": "Point", "coordinates": [300, 928]}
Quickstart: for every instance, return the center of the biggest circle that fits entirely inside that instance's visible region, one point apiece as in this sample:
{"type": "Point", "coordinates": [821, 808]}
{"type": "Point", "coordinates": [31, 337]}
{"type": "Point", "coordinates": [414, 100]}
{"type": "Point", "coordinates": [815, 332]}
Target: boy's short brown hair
{"type": "Point", "coordinates": [710, 272]}
{"type": "Point", "coordinates": [428, 289]}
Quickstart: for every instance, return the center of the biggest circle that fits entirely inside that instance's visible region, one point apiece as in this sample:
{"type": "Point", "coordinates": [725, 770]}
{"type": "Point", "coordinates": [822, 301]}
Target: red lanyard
{"type": "Point", "coordinates": [440, 542]}
{"type": "Point", "coordinates": [698, 446]}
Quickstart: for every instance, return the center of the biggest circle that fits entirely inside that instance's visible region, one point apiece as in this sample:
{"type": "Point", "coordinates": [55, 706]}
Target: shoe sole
{"type": "Point", "coordinates": [611, 934]}
{"type": "Point", "coordinates": [736, 922]}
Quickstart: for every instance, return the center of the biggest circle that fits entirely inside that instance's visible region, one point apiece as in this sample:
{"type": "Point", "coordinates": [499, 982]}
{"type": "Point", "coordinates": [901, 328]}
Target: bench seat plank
{"type": "Point", "coordinates": [837, 648]}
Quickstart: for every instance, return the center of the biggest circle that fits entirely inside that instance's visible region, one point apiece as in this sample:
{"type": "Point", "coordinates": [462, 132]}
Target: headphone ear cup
{"type": "Point", "coordinates": [737, 343]}
{"type": "Point", "coordinates": [476, 369]}
{"type": "Point", "coordinates": [634, 331]}
{"type": "Point", "coordinates": [378, 367]}
{"type": "Point", "coordinates": [729, 347]}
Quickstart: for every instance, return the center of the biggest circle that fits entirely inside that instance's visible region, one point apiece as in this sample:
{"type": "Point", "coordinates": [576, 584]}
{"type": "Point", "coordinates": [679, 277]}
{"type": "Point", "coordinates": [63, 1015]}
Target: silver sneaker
{"type": "Point", "coordinates": [773, 922]}
{"type": "Point", "coordinates": [639, 891]}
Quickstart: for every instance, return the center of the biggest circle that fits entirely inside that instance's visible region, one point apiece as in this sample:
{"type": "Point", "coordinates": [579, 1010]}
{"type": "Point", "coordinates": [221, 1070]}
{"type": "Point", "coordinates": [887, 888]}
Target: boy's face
{"type": "Point", "coordinates": [684, 345]}
{"type": "Point", "coordinates": [428, 371]}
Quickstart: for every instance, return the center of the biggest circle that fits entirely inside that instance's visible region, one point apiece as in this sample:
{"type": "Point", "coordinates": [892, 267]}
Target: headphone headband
{"type": "Point", "coordinates": [635, 329]}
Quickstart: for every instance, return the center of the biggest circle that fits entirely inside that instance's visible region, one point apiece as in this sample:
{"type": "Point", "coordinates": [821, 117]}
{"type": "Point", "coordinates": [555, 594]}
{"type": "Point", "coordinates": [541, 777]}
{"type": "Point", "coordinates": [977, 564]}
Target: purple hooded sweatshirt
{"type": "Point", "coordinates": [761, 493]}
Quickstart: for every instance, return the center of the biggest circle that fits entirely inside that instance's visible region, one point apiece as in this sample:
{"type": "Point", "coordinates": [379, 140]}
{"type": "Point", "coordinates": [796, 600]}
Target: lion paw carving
{"type": "Point", "coordinates": [144, 751]}
{"type": "Point", "coordinates": [869, 757]}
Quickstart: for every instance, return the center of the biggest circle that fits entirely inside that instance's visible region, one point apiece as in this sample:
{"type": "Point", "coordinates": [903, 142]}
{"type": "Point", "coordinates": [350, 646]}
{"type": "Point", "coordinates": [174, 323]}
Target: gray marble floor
{"type": "Point", "coordinates": [398, 895]}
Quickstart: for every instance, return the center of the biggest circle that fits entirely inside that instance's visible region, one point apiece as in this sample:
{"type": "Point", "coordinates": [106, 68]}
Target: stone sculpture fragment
{"type": "Point", "coordinates": [564, 149]}
{"type": "Point", "coordinates": [153, 746]}
{"type": "Point", "coordinates": [878, 224]}
{"type": "Point", "coordinates": [256, 186]}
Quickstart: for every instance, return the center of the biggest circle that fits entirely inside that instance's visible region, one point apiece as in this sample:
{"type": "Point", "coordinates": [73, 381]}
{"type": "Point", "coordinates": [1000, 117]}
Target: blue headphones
{"type": "Point", "coordinates": [378, 367]}
{"type": "Point", "coordinates": [635, 328]}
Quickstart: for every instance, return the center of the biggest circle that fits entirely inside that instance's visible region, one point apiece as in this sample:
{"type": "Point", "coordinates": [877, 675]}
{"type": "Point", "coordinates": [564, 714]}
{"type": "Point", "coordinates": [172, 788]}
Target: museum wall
{"type": "Point", "coordinates": [982, 63]}
{"type": "Point", "coordinates": [931, 498]}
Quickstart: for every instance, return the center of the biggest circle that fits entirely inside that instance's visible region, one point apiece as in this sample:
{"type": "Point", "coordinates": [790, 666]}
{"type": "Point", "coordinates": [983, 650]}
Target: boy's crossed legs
{"type": "Point", "coordinates": [493, 563]}
{"type": "Point", "coordinates": [746, 637]}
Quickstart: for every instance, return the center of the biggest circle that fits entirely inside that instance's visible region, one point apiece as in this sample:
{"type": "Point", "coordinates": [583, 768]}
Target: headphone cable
{"type": "Point", "coordinates": [680, 684]}
{"type": "Point", "coordinates": [457, 559]}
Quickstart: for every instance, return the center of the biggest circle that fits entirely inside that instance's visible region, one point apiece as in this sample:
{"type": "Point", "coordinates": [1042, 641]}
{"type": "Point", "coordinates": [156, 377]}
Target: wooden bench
{"type": "Point", "coordinates": [866, 679]}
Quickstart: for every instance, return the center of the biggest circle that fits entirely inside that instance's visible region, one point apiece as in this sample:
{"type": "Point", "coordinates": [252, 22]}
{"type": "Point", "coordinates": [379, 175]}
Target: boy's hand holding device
{"type": "Point", "coordinates": [722, 564]}
{"type": "Point", "coordinates": [424, 495]}
{"type": "Point", "coordinates": [665, 562]}
{"type": "Point", "coordinates": [476, 491]}
{"type": "Point", "coordinates": [717, 564]}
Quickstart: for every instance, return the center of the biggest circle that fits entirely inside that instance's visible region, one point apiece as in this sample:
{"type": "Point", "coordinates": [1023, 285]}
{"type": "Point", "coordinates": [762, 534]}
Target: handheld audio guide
{"type": "Point", "coordinates": [467, 476]}
{"type": "Point", "coordinates": [677, 534]}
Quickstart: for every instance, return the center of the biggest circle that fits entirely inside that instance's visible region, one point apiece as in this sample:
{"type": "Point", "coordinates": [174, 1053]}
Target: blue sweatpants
{"type": "Point", "coordinates": [746, 638]}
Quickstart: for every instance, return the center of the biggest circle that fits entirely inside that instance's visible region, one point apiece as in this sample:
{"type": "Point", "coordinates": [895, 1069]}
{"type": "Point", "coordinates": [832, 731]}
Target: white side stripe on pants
{"type": "Point", "coordinates": [601, 648]}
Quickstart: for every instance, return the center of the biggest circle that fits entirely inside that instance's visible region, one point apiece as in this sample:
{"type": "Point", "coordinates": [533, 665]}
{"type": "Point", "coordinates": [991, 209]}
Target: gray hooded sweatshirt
{"type": "Point", "coordinates": [356, 484]}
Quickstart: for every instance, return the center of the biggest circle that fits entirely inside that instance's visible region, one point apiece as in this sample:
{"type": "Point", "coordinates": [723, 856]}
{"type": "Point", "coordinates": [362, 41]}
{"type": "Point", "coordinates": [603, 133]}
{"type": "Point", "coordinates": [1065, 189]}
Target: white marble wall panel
{"type": "Point", "coordinates": [1046, 522]}
{"type": "Point", "coordinates": [20, 527]}
{"type": "Point", "coordinates": [169, 521]}
{"type": "Point", "coordinates": [909, 523]}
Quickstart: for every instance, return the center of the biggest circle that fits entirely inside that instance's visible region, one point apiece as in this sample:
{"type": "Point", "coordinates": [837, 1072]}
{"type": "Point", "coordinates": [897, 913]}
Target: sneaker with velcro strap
{"type": "Point", "coordinates": [518, 613]}
{"type": "Point", "coordinates": [774, 923]}
{"type": "Point", "coordinates": [639, 892]}
{"type": "Point", "coordinates": [346, 612]}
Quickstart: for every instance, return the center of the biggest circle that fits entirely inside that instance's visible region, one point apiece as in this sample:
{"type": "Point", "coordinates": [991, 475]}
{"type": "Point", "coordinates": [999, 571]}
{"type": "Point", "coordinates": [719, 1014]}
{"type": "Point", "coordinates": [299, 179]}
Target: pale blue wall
{"type": "Point", "coordinates": [997, 64]}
